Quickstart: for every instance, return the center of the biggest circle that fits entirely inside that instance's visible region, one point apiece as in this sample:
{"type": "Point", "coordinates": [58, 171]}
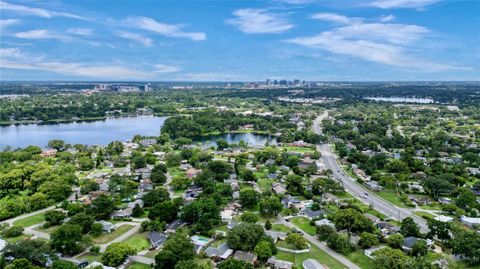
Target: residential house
{"type": "Point", "coordinates": [279, 188]}
{"type": "Point", "coordinates": [289, 201]}
{"type": "Point", "coordinates": [470, 222]}
{"type": "Point", "coordinates": [145, 187]}
{"type": "Point", "coordinates": [192, 172]}
{"type": "Point", "coordinates": [387, 228]}
{"type": "Point", "coordinates": [156, 239]}
{"type": "Point", "coordinates": [275, 263]}
{"type": "Point", "coordinates": [147, 142]}
{"type": "Point", "coordinates": [192, 193]}
{"type": "Point", "coordinates": [330, 198]}
{"type": "Point", "coordinates": [370, 251]}
{"type": "Point", "coordinates": [143, 173]}
{"type": "Point", "coordinates": [442, 218]}
{"type": "Point", "coordinates": [245, 256]}
{"type": "Point", "coordinates": [373, 218]}
{"type": "Point", "coordinates": [409, 242]}
{"type": "Point", "coordinates": [324, 222]}
{"type": "Point", "coordinates": [227, 215]}
{"type": "Point", "coordinates": [312, 264]}
{"type": "Point", "coordinates": [48, 153]}
{"type": "Point", "coordinates": [311, 214]}
{"type": "Point", "coordinates": [107, 227]}
{"type": "Point", "coordinates": [444, 200]}
{"type": "Point", "coordinates": [276, 235]}
{"type": "Point", "coordinates": [222, 252]}
{"type": "Point", "coordinates": [373, 185]}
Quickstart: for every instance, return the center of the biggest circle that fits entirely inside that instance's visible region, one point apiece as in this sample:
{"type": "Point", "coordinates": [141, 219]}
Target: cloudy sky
{"type": "Point", "coordinates": [201, 40]}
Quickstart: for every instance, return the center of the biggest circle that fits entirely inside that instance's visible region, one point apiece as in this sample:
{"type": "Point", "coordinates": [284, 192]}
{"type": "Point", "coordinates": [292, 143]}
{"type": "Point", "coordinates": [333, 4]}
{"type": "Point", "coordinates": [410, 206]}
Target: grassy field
{"type": "Point", "coordinates": [304, 224]}
{"type": "Point", "coordinates": [105, 238]}
{"type": "Point", "coordinates": [315, 253]}
{"type": "Point", "coordinates": [90, 257]}
{"type": "Point", "coordinates": [299, 149]}
{"type": "Point", "coordinates": [392, 197]}
{"type": "Point", "coordinates": [18, 238]}
{"type": "Point", "coordinates": [360, 259]}
{"type": "Point", "coordinates": [48, 230]}
{"type": "Point", "coordinates": [280, 228]}
{"type": "Point", "coordinates": [424, 214]}
{"type": "Point", "coordinates": [138, 241]}
{"type": "Point", "coordinates": [137, 265]}
{"type": "Point", "coordinates": [29, 221]}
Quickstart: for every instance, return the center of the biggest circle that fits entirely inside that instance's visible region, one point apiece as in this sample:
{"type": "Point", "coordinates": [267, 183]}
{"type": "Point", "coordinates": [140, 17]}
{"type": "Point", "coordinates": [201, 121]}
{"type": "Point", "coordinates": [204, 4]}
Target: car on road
{"type": "Point", "coordinates": [366, 193]}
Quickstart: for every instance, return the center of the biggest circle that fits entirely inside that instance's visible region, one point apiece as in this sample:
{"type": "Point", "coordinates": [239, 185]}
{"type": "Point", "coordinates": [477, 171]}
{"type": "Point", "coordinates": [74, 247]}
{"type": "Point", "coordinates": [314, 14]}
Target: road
{"type": "Point", "coordinates": [362, 194]}
{"type": "Point", "coordinates": [319, 244]}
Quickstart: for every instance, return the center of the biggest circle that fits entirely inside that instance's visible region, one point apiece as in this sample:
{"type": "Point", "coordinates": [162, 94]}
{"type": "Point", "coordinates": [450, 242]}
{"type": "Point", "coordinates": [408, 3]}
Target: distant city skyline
{"type": "Point", "coordinates": [311, 40]}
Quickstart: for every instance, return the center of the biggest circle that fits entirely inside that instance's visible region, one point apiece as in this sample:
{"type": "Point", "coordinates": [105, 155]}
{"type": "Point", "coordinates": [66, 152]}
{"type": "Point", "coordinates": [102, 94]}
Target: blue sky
{"type": "Point", "coordinates": [219, 40]}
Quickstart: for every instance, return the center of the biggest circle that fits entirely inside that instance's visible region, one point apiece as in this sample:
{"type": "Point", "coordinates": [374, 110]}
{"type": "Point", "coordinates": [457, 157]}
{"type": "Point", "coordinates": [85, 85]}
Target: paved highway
{"type": "Point", "coordinates": [355, 189]}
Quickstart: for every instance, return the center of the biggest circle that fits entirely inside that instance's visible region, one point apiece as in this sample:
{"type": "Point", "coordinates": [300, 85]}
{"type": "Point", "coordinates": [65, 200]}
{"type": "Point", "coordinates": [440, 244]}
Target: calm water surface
{"type": "Point", "coordinates": [90, 133]}
{"type": "Point", "coordinates": [249, 138]}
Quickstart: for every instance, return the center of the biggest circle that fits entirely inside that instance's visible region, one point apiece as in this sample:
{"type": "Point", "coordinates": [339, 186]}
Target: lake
{"type": "Point", "coordinates": [402, 100]}
{"type": "Point", "coordinates": [90, 133]}
{"type": "Point", "coordinates": [249, 138]}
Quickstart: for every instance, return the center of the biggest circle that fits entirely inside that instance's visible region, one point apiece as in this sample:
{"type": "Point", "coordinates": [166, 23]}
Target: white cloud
{"type": "Point", "coordinates": [147, 42]}
{"type": "Point", "coordinates": [387, 18]}
{"type": "Point", "coordinates": [80, 31]}
{"type": "Point", "coordinates": [333, 17]}
{"type": "Point", "coordinates": [164, 69]}
{"type": "Point", "coordinates": [386, 4]}
{"type": "Point", "coordinates": [39, 12]}
{"type": "Point", "coordinates": [259, 21]}
{"type": "Point", "coordinates": [8, 22]}
{"type": "Point", "coordinates": [40, 34]}
{"type": "Point", "coordinates": [13, 58]}
{"type": "Point", "coordinates": [385, 43]}
{"type": "Point", "coordinates": [169, 30]}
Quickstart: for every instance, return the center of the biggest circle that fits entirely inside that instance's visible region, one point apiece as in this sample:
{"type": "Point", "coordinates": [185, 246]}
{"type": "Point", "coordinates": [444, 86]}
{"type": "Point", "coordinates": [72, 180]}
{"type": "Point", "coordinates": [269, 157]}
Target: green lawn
{"type": "Point", "coordinates": [314, 253]}
{"type": "Point", "coordinates": [265, 184]}
{"type": "Point", "coordinates": [304, 224]}
{"type": "Point", "coordinates": [48, 230]}
{"type": "Point", "coordinates": [138, 241]}
{"type": "Point", "coordinates": [105, 238]}
{"type": "Point", "coordinates": [392, 197]}
{"type": "Point", "coordinates": [360, 259]}
{"type": "Point", "coordinates": [30, 221]}
{"type": "Point", "coordinates": [280, 228]}
{"type": "Point", "coordinates": [137, 265]}
{"type": "Point", "coordinates": [424, 214]}
{"type": "Point", "coordinates": [18, 238]}
{"type": "Point", "coordinates": [299, 149]}
{"type": "Point", "coordinates": [90, 257]}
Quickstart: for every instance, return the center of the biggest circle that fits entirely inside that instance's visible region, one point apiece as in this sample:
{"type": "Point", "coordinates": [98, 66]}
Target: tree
{"type": "Point", "coordinates": [35, 250]}
{"type": "Point", "coordinates": [439, 229]}
{"type": "Point", "coordinates": [467, 244]}
{"type": "Point", "coordinates": [249, 217]}
{"type": "Point", "coordinates": [245, 236]}
{"type": "Point", "coordinates": [395, 241]}
{"type": "Point", "coordinates": [117, 253]}
{"type": "Point", "coordinates": [57, 190]}
{"type": "Point", "coordinates": [203, 213]}
{"type": "Point", "coordinates": [155, 196]}
{"type": "Point", "coordinates": [62, 264]}
{"type": "Point", "coordinates": [222, 144]}
{"type": "Point", "coordinates": [248, 175]}
{"type": "Point", "coordinates": [177, 248]}
{"type": "Point", "coordinates": [86, 163]}
{"type": "Point", "coordinates": [59, 145]}
{"type": "Point", "coordinates": [137, 211]}
{"type": "Point", "coordinates": [270, 206]}
{"type": "Point", "coordinates": [172, 159]}
{"type": "Point", "coordinates": [297, 241]}
{"type": "Point", "coordinates": [268, 225]}
{"type": "Point", "coordinates": [158, 176]}
{"type": "Point", "coordinates": [248, 198]}
{"type": "Point", "coordinates": [83, 220]}
{"type": "Point", "coordinates": [409, 227]}
{"type": "Point", "coordinates": [294, 184]}
{"type": "Point", "coordinates": [368, 240]}
{"type": "Point", "coordinates": [179, 183]}
{"type": "Point", "coordinates": [436, 186]}
{"type": "Point", "coordinates": [234, 264]}
{"type": "Point", "coordinates": [263, 250]}
{"type": "Point", "coordinates": [97, 229]}
{"type": "Point", "coordinates": [187, 264]}
{"type": "Point", "coordinates": [419, 248]}
{"type": "Point", "coordinates": [54, 217]}
{"type": "Point", "coordinates": [292, 161]}
{"type": "Point", "coordinates": [466, 198]}
{"type": "Point", "coordinates": [67, 239]}
{"type": "Point", "coordinates": [352, 220]}
{"type": "Point", "coordinates": [324, 231]}
{"type": "Point", "coordinates": [340, 243]}
{"type": "Point", "coordinates": [387, 258]}
{"type": "Point", "coordinates": [102, 207]}
{"type": "Point", "coordinates": [13, 231]}
{"type": "Point", "coordinates": [165, 211]}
